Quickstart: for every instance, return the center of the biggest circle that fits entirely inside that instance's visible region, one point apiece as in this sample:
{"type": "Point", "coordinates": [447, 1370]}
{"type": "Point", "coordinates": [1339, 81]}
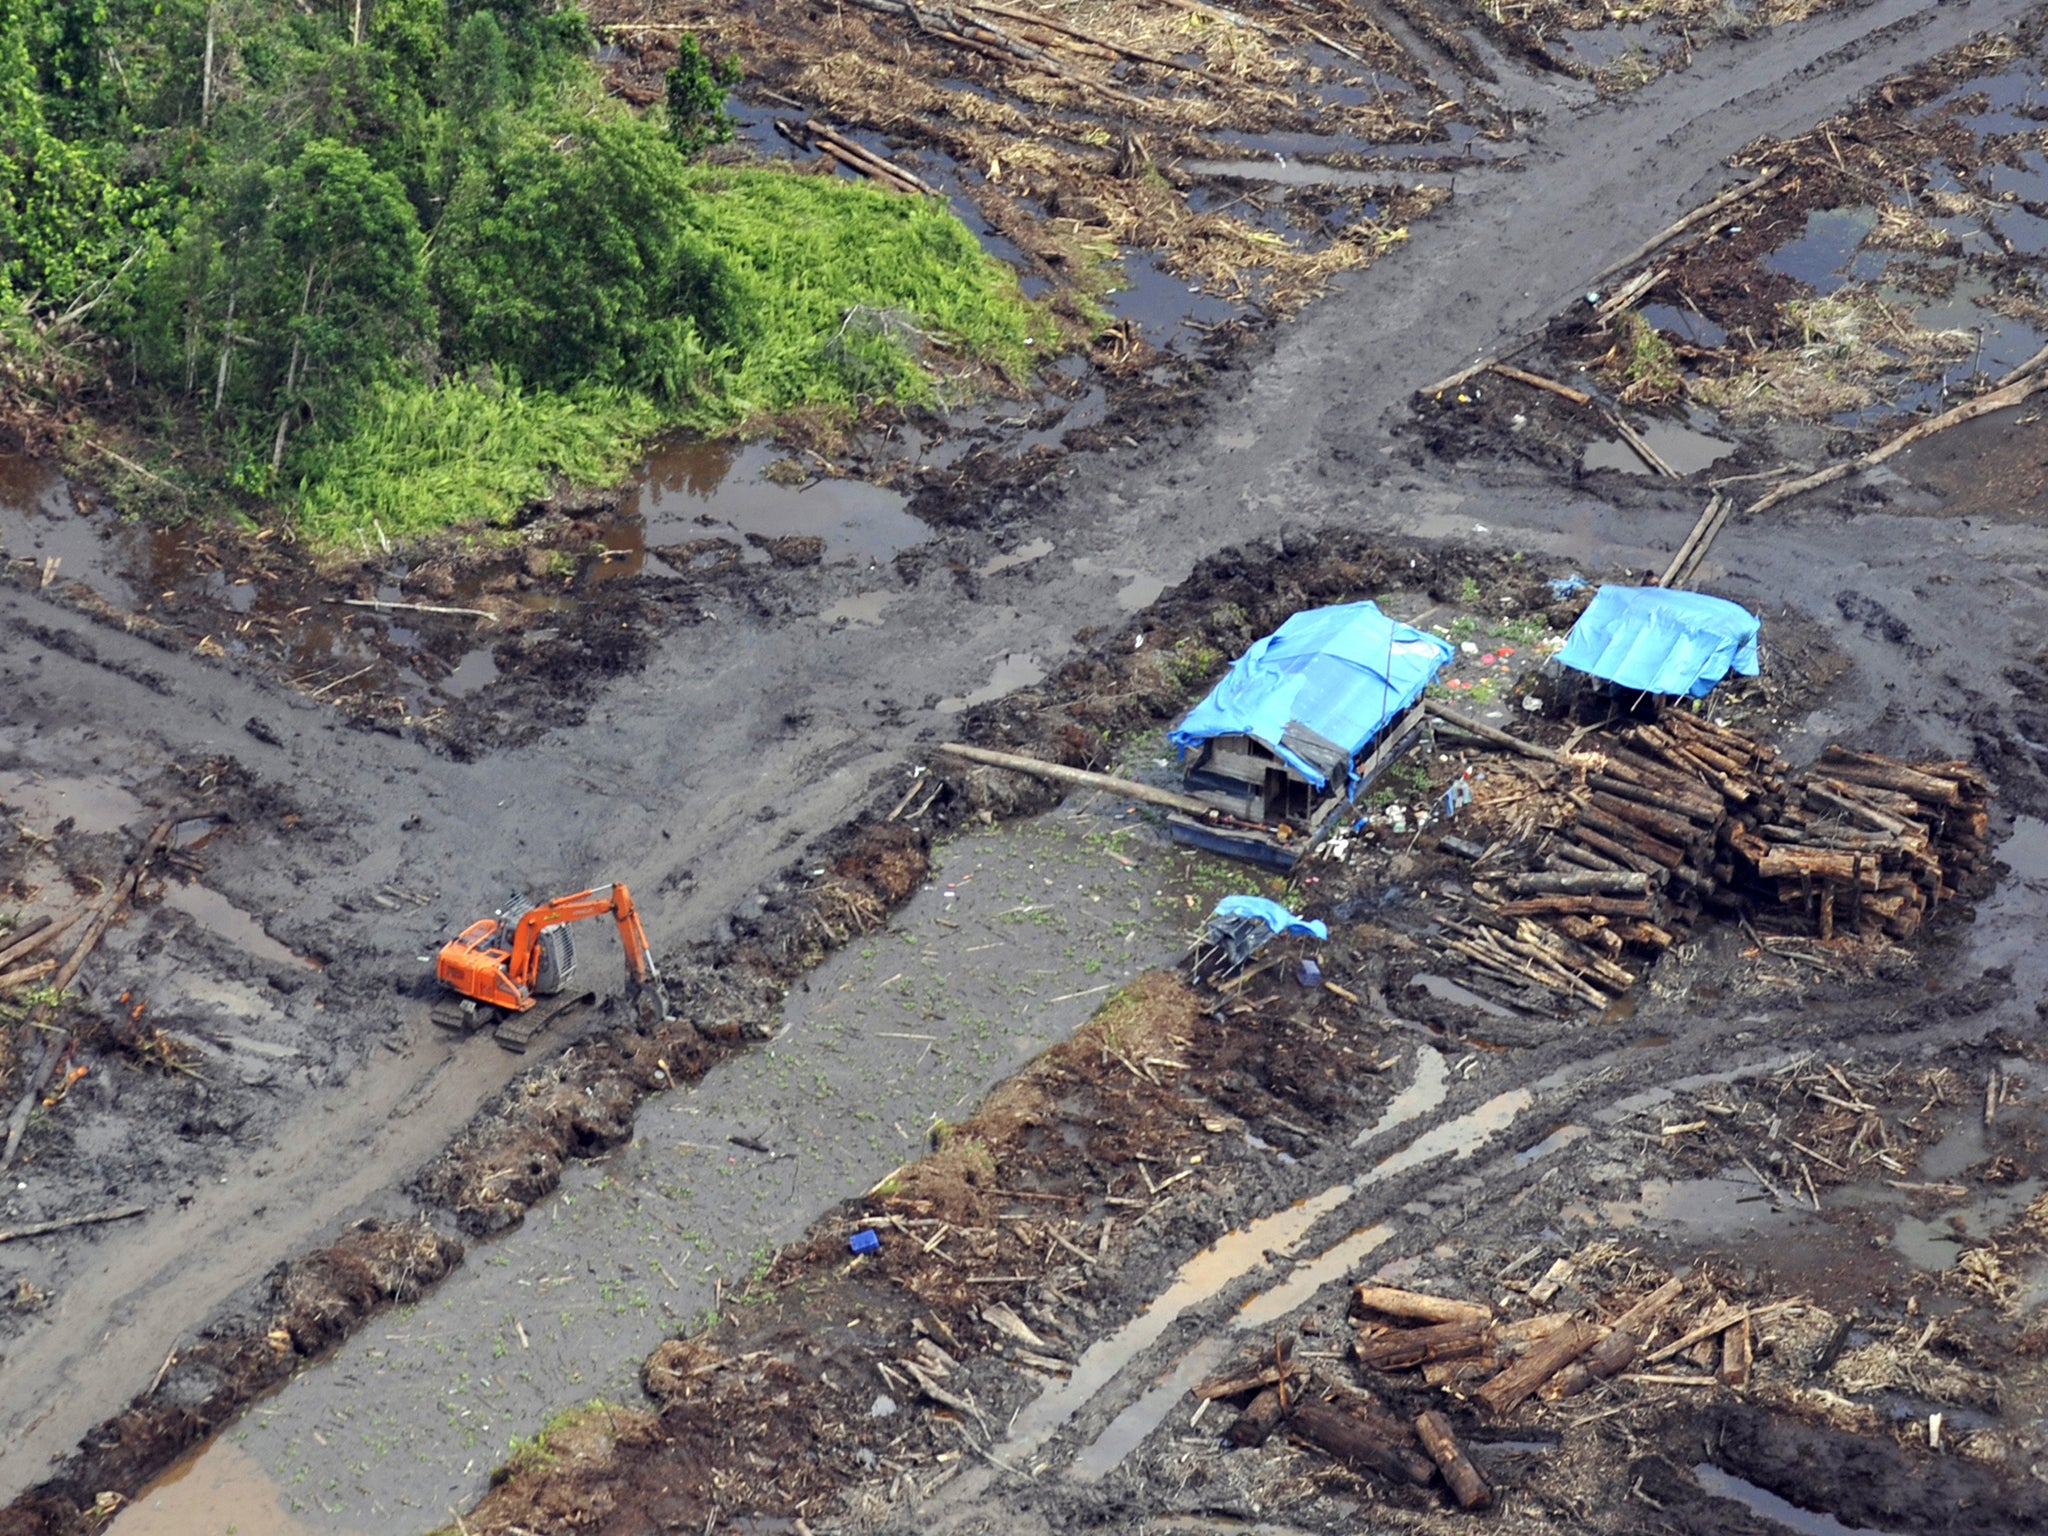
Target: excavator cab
{"type": "Point", "coordinates": [500, 967]}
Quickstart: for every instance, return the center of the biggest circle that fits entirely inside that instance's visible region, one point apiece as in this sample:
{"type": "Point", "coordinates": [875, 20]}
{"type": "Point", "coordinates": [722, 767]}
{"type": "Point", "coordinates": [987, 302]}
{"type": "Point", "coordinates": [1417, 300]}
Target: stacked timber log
{"type": "Point", "coordinates": [1686, 816]}
{"type": "Point", "coordinates": [1863, 844]}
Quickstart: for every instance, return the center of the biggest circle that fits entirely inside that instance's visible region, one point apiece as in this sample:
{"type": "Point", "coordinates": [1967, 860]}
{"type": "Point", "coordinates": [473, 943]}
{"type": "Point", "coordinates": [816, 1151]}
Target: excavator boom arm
{"type": "Point", "coordinates": [615, 899]}
{"type": "Point", "coordinates": [525, 950]}
{"type": "Point", "coordinates": [486, 965]}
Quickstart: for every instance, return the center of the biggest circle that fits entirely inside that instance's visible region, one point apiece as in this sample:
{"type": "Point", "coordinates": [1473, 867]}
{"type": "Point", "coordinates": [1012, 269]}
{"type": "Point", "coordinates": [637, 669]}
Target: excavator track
{"type": "Point", "coordinates": [458, 1018]}
{"type": "Point", "coordinates": [516, 1031]}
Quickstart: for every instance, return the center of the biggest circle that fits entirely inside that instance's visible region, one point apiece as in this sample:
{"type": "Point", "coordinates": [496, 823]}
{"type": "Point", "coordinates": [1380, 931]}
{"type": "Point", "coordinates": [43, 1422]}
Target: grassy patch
{"type": "Point", "coordinates": [419, 458]}
{"type": "Point", "coordinates": [854, 295]}
{"type": "Point", "coordinates": [1642, 361]}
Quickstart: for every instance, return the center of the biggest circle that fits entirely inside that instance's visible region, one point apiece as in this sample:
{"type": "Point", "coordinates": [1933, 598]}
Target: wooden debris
{"type": "Point", "coordinates": [1735, 1355]}
{"type": "Point", "coordinates": [1237, 1383]}
{"type": "Point", "coordinates": [1393, 1302]}
{"type": "Point", "coordinates": [1399, 1348]}
{"type": "Point", "coordinates": [1683, 815]}
{"type": "Point", "coordinates": [1544, 1360]}
{"type": "Point", "coordinates": [1258, 1421]}
{"type": "Point", "coordinates": [1059, 773]}
{"type": "Point", "coordinates": [1463, 1479]}
{"type": "Point", "coordinates": [1721, 1318]}
{"type": "Point", "coordinates": [1377, 1442]}
{"type": "Point", "coordinates": [65, 1224]}
{"type": "Point", "coordinates": [1537, 381]}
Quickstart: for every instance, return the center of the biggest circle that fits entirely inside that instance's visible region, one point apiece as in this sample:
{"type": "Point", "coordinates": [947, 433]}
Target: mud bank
{"type": "Point", "coordinates": [1286, 447]}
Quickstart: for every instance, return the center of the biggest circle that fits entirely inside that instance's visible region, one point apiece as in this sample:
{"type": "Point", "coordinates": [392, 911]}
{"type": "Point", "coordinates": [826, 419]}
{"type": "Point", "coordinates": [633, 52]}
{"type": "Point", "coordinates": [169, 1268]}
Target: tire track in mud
{"type": "Point", "coordinates": [1459, 1162]}
{"type": "Point", "coordinates": [520, 819]}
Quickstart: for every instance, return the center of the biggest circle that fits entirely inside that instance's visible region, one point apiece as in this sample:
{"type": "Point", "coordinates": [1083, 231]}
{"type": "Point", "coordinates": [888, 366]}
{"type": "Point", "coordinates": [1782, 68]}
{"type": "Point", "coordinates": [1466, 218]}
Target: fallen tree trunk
{"type": "Point", "coordinates": [1593, 882]}
{"type": "Point", "coordinates": [17, 940]}
{"type": "Point", "coordinates": [1360, 1442]}
{"type": "Point", "coordinates": [1500, 1395]}
{"type": "Point", "coordinates": [1059, 773]}
{"type": "Point", "coordinates": [1463, 1479]}
{"type": "Point", "coordinates": [1394, 1302]}
{"type": "Point", "coordinates": [1400, 1348]}
{"type": "Point", "coordinates": [1487, 733]}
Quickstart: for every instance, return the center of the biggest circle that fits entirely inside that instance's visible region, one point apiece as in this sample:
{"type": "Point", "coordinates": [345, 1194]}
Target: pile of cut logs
{"type": "Point", "coordinates": [1685, 815]}
{"type": "Point", "coordinates": [1464, 1351]}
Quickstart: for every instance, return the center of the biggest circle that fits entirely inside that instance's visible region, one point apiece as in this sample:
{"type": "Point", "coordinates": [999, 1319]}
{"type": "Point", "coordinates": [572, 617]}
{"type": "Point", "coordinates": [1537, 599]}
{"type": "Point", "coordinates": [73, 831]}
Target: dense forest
{"type": "Point", "coordinates": [403, 262]}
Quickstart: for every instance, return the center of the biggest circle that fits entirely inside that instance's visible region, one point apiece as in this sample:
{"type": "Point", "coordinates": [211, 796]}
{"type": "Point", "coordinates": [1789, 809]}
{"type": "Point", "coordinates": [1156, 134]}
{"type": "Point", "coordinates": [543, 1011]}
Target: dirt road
{"type": "Point", "coordinates": [757, 729]}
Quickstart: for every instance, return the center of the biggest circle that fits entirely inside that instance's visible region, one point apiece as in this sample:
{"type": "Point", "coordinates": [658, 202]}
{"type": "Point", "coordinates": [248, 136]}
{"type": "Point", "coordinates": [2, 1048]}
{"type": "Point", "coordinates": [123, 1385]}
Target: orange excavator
{"type": "Point", "coordinates": [501, 967]}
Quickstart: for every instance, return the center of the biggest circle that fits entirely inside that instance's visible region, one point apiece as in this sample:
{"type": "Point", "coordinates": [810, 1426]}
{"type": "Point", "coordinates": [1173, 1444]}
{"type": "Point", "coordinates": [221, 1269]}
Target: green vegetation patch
{"type": "Point", "coordinates": [418, 459]}
{"type": "Point", "coordinates": [847, 293]}
{"type": "Point", "coordinates": [404, 264]}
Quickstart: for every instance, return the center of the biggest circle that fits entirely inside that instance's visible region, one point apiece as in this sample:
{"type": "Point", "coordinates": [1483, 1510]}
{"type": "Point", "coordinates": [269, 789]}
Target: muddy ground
{"type": "Point", "coordinates": [709, 722]}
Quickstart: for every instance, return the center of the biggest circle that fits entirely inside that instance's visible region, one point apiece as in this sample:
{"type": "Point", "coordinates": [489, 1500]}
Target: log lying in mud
{"type": "Point", "coordinates": [1617, 1351]}
{"type": "Point", "coordinates": [66, 1224]}
{"type": "Point", "coordinates": [1258, 1421]}
{"type": "Point", "coordinates": [1393, 1302]}
{"type": "Point", "coordinates": [1399, 1348]}
{"type": "Point", "coordinates": [1544, 1360]}
{"type": "Point", "coordinates": [1082, 778]}
{"type": "Point", "coordinates": [1378, 1443]}
{"type": "Point", "coordinates": [1463, 1479]}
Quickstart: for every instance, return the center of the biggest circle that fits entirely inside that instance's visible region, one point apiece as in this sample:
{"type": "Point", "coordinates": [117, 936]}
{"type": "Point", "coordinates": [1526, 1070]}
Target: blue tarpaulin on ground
{"type": "Point", "coordinates": [1319, 688]}
{"type": "Point", "coordinates": [1272, 914]}
{"type": "Point", "coordinates": [1661, 641]}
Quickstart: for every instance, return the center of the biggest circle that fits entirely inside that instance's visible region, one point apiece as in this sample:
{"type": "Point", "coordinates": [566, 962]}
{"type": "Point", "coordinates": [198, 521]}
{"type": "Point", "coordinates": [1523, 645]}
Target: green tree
{"type": "Point", "coordinates": [348, 241]}
{"type": "Point", "coordinates": [697, 88]}
{"type": "Point", "coordinates": [63, 218]}
{"type": "Point", "coordinates": [572, 258]}
{"type": "Point", "coordinates": [476, 83]}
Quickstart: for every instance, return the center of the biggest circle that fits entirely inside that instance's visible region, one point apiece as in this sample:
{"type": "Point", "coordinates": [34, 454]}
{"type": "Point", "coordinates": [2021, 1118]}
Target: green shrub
{"type": "Point", "coordinates": [416, 459]}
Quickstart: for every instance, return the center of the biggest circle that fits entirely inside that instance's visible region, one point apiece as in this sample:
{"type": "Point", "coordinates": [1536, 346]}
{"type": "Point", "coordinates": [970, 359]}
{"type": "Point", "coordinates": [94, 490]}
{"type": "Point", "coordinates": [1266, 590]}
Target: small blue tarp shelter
{"type": "Point", "coordinates": [1657, 640]}
{"type": "Point", "coordinates": [1272, 914]}
{"type": "Point", "coordinates": [1319, 688]}
{"type": "Point", "coordinates": [1241, 926]}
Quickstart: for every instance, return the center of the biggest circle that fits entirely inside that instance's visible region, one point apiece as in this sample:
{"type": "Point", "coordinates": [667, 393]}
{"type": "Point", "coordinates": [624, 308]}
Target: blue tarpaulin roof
{"type": "Point", "coordinates": [1272, 914]}
{"type": "Point", "coordinates": [1319, 687]}
{"type": "Point", "coordinates": [1662, 641]}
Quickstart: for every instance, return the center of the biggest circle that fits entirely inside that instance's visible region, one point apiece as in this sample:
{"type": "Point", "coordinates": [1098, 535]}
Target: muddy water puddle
{"type": "Point", "coordinates": [222, 1491]}
{"type": "Point", "coordinates": [1770, 1507]}
{"type": "Point", "coordinates": [695, 490]}
{"type": "Point", "coordinates": [1023, 554]}
{"type": "Point", "coordinates": [217, 915]}
{"type": "Point", "coordinates": [90, 805]}
{"type": "Point", "coordinates": [1013, 670]}
{"type": "Point", "coordinates": [1021, 933]}
{"type": "Point", "coordinates": [1166, 309]}
{"type": "Point", "coordinates": [1427, 1087]}
{"type": "Point", "coordinates": [1685, 449]}
{"type": "Point", "coordinates": [1934, 1240]}
{"type": "Point", "coordinates": [40, 520]}
{"type": "Point", "coordinates": [1198, 1281]}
